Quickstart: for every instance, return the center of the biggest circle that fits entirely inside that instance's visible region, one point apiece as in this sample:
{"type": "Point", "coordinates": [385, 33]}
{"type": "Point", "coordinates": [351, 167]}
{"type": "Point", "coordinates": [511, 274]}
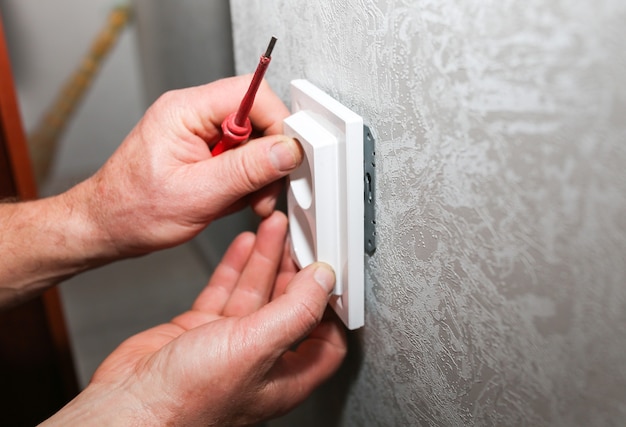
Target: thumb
{"type": "Point", "coordinates": [252, 166]}
{"type": "Point", "coordinates": [293, 315]}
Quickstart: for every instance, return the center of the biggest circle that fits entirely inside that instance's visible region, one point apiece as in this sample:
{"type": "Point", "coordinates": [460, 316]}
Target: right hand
{"type": "Point", "coordinates": [162, 186]}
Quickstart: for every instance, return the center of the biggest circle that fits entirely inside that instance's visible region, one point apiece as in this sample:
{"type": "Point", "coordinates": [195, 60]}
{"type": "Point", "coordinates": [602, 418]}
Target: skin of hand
{"type": "Point", "coordinates": [229, 361]}
{"type": "Point", "coordinates": [162, 186]}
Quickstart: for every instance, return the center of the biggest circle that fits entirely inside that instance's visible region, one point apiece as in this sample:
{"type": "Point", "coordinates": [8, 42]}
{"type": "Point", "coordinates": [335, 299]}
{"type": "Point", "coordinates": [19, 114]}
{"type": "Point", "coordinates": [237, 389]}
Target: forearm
{"type": "Point", "coordinates": [43, 242]}
{"type": "Point", "coordinates": [97, 406]}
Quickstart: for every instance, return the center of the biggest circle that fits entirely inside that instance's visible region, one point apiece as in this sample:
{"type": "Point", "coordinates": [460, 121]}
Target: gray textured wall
{"type": "Point", "coordinates": [497, 295]}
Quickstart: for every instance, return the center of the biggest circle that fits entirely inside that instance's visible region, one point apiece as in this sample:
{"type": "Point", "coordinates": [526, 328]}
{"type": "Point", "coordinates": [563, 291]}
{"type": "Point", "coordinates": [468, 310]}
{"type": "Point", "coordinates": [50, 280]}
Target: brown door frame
{"type": "Point", "coordinates": [37, 375]}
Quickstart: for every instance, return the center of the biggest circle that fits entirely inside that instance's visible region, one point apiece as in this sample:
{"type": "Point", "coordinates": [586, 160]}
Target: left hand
{"type": "Point", "coordinates": [227, 361]}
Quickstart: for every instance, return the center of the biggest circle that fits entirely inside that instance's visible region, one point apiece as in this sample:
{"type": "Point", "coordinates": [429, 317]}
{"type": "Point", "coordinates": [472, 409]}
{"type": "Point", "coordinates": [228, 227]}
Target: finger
{"type": "Point", "coordinates": [263, 202]}
{"type": "Point", "coordinates": [286, 272]}
{"type": "Point", "coordinates": [297, 373]}
{"type": "Point", "coordinates": [242, 171]}
{"type": "Point", "coordinates": [215, 295]}
{"type": "Point", "coordinates": [257, 279]}
{"type": "Point", "coordinates": [205, 107]}
{"type": "Point", "coordinates": [289, 318]}
{"type": "Point", "coordinates": [198, 111]}
{"type": "Point", "coordinates": [267, 113]}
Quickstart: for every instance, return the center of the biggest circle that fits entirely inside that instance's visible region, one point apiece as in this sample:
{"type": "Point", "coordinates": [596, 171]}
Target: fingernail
{"type": "Point", "coordinates": [325, 277]}
{"type": "Point", "coordinates": [284, 154]}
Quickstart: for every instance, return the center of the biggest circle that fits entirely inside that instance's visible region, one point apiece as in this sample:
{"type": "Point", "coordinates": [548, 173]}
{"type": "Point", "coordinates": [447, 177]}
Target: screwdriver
{"type": "Point", "coordinates": [236, 128]}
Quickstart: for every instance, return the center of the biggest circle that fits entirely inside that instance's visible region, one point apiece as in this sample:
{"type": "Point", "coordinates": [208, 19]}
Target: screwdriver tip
{"type": "Point", "coordinates": [270, 47]}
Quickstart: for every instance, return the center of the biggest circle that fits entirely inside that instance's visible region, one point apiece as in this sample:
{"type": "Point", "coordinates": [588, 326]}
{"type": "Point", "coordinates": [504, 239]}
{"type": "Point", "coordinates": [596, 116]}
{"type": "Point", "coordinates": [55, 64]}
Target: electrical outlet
{"type": "Point", "coordinates": [325, 194]}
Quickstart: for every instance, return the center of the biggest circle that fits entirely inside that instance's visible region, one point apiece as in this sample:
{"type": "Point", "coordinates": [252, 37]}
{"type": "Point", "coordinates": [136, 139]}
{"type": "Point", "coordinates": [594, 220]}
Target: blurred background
{"type": "Point", "coordinates": [154, 52]}
{"type": "Point", "coordinates": [496, 293]}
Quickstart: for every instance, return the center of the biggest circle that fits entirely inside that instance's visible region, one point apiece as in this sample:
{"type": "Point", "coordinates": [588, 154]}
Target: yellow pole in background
{"type": "Point", "coordinates": [44, 139]}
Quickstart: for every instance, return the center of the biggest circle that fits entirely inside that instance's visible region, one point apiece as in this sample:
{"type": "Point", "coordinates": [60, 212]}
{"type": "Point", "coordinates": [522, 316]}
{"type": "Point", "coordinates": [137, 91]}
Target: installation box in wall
{"type": "Point", "coordinates": [325, 194]}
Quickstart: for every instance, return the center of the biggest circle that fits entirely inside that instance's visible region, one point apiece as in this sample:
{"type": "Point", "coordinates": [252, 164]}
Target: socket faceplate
{"type": "Point", "coordinates": [325, 194]}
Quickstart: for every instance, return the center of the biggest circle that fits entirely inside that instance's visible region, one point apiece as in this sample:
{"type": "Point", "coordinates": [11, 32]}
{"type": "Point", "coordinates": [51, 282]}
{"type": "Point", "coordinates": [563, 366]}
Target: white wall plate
{"type": "Point", "coordinates": [325, 194]}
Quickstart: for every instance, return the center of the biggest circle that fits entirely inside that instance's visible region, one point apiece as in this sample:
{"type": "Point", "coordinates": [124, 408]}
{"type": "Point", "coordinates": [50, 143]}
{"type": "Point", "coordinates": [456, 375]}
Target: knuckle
{"type": "Point", "coordinates": [309, 314]}
{"type": "Point", "coordinates": [251, 174]}
{"type": "Point", "coordinates": [166, 97]}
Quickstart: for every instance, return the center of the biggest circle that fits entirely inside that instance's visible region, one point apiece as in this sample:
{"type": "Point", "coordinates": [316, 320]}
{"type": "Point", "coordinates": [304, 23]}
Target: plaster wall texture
{"type": "Point", "coordinates": [497, 294]}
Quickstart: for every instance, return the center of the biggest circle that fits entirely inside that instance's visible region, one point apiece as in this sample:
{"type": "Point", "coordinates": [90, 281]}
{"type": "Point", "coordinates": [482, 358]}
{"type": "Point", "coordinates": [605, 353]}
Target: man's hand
{"type": "Point", "coordinates": [229, 360]}
{"type": "Point", "coordinates": [159, 189]}
{"type": "Point", "coordinates": [162, 186]}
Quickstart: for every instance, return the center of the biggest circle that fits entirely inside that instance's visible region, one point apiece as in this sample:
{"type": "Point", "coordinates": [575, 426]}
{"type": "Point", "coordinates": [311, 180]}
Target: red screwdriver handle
{"type": "Point", "coordinates": [232, 134]}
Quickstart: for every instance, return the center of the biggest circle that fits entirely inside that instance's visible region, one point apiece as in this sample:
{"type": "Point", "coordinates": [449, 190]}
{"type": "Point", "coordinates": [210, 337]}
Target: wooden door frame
{"type": "Point", "coordinates": [37, 373]}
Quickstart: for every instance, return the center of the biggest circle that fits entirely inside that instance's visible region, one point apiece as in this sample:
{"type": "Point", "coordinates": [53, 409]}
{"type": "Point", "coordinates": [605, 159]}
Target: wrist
{"type": "Point", "coordinates": [99, 405]}
{"type": "Point", "coordinates": [82, 216]}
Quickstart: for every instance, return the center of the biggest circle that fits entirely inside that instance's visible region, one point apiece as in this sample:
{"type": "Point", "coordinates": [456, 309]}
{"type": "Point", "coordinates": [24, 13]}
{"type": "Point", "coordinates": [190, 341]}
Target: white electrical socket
{"type": "Point", "coordinates": [325, 194]}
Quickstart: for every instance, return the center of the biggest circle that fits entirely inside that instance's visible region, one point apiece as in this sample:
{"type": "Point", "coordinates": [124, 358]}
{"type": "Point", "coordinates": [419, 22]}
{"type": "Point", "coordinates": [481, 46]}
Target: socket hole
{"type": "Point", "coordinates": [302, 244]}
{"type": "Point", "coordinates": [301, 183]}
